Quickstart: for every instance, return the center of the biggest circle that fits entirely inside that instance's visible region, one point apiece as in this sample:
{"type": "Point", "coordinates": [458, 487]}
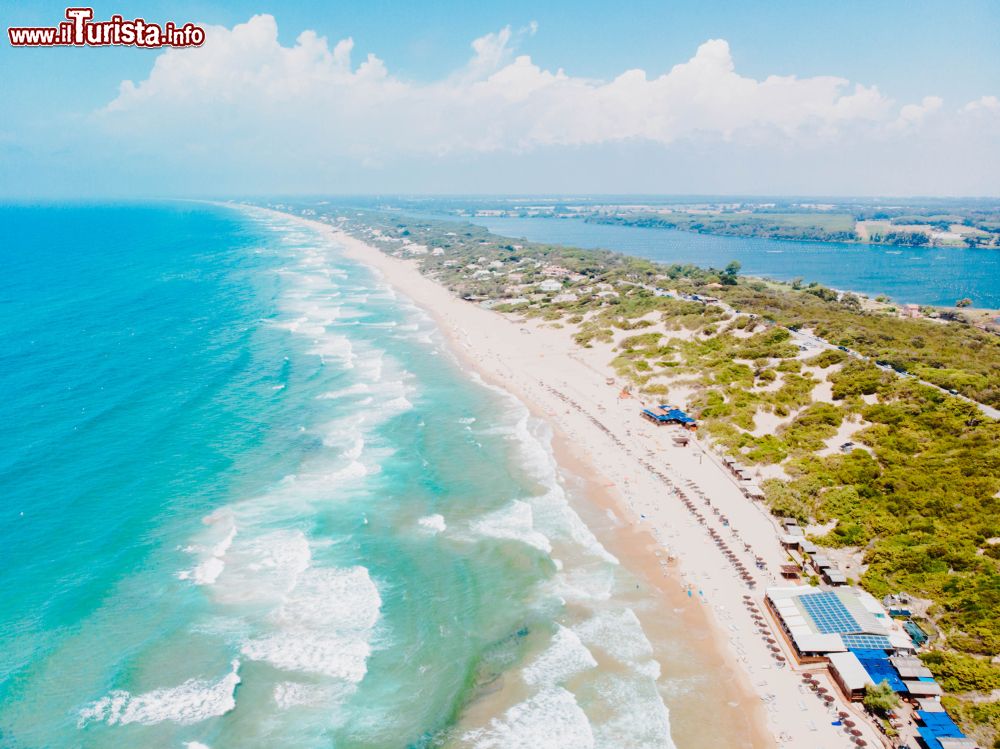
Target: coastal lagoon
{"type": "Point", "coordinates": [251, 500]}
{"type": "Point", "coordinates": [931, 275]}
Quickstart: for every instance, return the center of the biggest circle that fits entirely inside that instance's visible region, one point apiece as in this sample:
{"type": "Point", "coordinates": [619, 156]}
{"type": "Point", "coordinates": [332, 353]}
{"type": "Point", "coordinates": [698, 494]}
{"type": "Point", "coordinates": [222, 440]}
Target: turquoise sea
{"type": "Point", "coordinates": [248, 499]}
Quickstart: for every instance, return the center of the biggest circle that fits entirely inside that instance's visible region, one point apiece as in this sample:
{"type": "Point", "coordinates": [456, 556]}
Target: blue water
{"type": "Point", "coordinates": [934, 275]}
{"type": "Point", "coordinates": [248, 499]}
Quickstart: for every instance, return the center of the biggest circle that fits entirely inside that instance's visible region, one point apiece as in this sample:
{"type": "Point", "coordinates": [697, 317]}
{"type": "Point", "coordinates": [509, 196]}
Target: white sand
{"type": "Point", "coordinates": [565, 384]}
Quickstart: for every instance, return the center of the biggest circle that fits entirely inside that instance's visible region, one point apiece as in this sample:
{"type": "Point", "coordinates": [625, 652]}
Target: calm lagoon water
{"type": "Point", "coordinates": [934, 275]}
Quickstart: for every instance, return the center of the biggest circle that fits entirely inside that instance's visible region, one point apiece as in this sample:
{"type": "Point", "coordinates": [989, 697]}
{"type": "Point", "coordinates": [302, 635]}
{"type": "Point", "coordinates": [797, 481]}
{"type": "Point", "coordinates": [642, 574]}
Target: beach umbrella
{"type": "Point", "coordinates": [828, 698]}
{"type": "Point", "coordinates": [822, 690]}
{"type": "Point", "coordinates": [849, 723]}
{"type": "Point", "coordinates": [843, 715]}
{"type": "Point", "coordinates": [855, 732]}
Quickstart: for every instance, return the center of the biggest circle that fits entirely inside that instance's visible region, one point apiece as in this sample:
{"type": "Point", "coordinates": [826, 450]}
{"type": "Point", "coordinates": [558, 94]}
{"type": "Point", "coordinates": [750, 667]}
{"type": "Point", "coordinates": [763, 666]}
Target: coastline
{"type": "Point", "coordinates": [982, 315]}
{"type": "Point", "coordinates": [552, 376]}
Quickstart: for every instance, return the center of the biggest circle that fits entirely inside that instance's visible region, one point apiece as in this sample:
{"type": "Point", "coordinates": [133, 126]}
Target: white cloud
{"type": "Point", "coordinates": [245, 98]}
{"type": "Point", "coordinates": [983, 104]}
{"type": "Point", "coordinates": [494, 103]}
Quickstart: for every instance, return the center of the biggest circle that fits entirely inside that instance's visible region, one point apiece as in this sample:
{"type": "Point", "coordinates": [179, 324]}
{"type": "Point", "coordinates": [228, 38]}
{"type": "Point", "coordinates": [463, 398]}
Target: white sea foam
{"type": "Point", "coordinates": [291, 694]}
{"type": "Point", "coordinates": [356, 389]}
{"type": "Point", "coordinates": [639, 719]}
{"type": "Point", "coordinates": [514, 522]}
{"type": "Point", "coordinates": [551, 719]}
{"type": "Point", "coordinates": [195, 745]}
{"type": "Point", "coordinates": [618, 633]}
{"type": "Point", "coordinates": [583, 583]}
{"type": "Point", "coordinates": [434, 523]}
{"type": "Point", "coordinates": [207, 571]}
{"type": "Point", "coordinates": [324, 625]}
{"type": "Point", "coordinates": [565, 656]}
{"type": "Point", "coordinates": [262, 569]}
{"type": "Point", "coordinates": [191, 702]}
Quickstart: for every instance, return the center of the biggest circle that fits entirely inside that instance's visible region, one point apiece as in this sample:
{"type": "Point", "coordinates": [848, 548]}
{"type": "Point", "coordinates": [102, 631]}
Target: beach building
{"type": "Point", "coordinates": [850, 675]}
{"type": "Point", "coordinates": [661, 415]}
{"type": "Point", "coordinates": [852, 632]}
{"type": "Point", "coordinates": [819, 622]}
{"type": "Point", "coordinates": [938, 731]}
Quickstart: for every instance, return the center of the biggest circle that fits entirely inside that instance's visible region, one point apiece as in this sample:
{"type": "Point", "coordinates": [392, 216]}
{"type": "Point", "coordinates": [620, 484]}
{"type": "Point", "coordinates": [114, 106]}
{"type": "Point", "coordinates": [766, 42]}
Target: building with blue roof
{"type": "Point", "coordinates": [660, 415]}
{"type": "Point", "coordinates": [939, 731]}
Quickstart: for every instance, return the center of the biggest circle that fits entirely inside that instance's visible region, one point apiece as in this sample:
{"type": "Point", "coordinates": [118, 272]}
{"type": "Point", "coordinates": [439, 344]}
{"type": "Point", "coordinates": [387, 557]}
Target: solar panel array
{"type": "Point", "coordinates": [830, 615]}
{"type": "Point", "coordinates": [866, 642]}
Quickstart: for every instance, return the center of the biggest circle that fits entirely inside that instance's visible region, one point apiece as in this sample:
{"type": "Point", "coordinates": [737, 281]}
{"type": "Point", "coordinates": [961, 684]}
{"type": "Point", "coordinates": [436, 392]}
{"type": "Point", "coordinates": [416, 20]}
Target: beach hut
{"type": "Point", "coordinates": [661, 415]}
{"type": "Point", "coordinates": [790, 572]}
{"type": "Point", "coordinates": [918, 688]}
{"type": "Point", "coordinates": [834, 577]}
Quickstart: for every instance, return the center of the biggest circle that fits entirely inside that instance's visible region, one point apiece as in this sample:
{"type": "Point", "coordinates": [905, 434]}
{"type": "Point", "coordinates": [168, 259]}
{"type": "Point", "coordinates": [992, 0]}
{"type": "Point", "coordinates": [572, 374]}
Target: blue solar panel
{"type": "Point", "coordinates": [866, 642]}
{"type": "Point", "coordinates": [830, 615]}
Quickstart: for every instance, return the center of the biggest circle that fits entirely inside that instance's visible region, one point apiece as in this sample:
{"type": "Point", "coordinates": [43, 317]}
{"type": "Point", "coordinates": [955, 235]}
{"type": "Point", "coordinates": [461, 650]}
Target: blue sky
{"type": "Point", "coordinates": [52, 141]}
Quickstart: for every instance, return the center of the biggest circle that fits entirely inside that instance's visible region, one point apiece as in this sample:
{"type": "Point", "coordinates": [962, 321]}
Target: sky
{"type": "Point", "coordinates": [777, 98]}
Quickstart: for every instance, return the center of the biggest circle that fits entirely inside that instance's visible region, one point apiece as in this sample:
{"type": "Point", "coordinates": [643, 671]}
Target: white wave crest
{"type": "Point", "coordinates": [191, 702]}
{"type": "Point", "coordinates": [433, 523]}
{"type": "Point", "coordinates": [551, 719]}
{"type": "Point", "coordinates": [514, 522]}
{"type": "Point", "coordinates": [565, 656]}
{"type": "Point", "coordinates": [324, 626]}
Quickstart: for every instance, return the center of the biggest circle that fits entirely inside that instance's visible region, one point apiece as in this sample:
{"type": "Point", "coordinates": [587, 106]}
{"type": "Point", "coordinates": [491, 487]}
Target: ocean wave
{"type": "Point", "coordinates": [287, 694]}
{"type": "Point", "coordinates": [207, 571]}
{"type": "Point", "coordinates": [514, 522]}
{"type": "Point", "coordinates": [324, 626]}
{"type": "Point", "coordinates": [193, 701]}
{"type": "Point", "coordinates": [433, 523]}
{"type": "Point", "coordinates": [639, 719]}
{"type": "Point", "coordinates": [263, 569]}
{"type": "Point", "coordinates": [618, 633]}
{"type": "Point", "coordinates": [565, 657]}
{"type": "Point", "coordinates": [551, 719]}
{"type": "Point", "coordinates": [358, 388]}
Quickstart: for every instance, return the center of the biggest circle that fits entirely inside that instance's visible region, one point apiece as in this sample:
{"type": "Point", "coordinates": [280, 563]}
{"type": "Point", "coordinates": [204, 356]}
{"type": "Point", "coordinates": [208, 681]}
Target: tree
{"type": "Point", "coordinates": [729, 275]}
{"type": "Point", "coordinates": [966, 302]}
{"type": "Point", "coordinates": [880, 699]}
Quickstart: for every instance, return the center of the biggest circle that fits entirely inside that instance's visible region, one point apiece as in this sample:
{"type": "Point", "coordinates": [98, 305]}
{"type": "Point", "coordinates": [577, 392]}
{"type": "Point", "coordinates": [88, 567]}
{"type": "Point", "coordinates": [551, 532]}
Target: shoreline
{"type": "Point", "coordinates": [982, 314]}
{"type": "Point", "coordinates": [511, 354]}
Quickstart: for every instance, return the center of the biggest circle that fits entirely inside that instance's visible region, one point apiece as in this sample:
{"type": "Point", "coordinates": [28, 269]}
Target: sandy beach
{"type": "Point", "coordinates": [678, 506]}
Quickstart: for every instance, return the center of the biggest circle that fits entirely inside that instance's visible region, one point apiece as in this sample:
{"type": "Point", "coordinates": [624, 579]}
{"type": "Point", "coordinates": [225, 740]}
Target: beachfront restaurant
{"type": "Point", "coordinates": [819, 622]}
{"type": "Point", "coordinates": [661, 415]}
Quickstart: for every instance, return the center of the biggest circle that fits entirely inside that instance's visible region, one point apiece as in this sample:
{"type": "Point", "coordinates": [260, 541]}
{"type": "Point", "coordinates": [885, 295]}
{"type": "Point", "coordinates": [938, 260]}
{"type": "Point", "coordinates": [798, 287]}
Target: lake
{"type": "Point", "coordinates": [931, 275]}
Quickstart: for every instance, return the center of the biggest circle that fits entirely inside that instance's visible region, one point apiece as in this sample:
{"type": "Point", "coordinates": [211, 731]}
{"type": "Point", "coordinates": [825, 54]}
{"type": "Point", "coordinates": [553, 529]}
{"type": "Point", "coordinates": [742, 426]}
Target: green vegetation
{"type": "Point", "coordinates": [830, 227]}
{"type": "Point", "coordinates": [880, 699]}
{"type": "Point", "coordinates": [958, 672]}
{"type": "Point", "coordinates": [917, 499]}
{"type": "Point", "coordinates": [982, 717]}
